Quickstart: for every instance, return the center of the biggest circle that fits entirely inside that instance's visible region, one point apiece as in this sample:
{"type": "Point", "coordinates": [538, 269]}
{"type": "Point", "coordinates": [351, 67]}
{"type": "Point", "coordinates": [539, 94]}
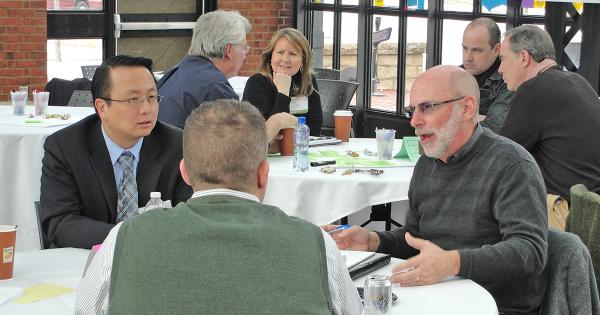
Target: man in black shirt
{"type": "Point", "coordinates": [481, 46]}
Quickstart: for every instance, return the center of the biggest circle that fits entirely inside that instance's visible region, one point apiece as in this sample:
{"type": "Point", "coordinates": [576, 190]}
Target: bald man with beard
{"type": "Point", "coordinates": [477, 202]}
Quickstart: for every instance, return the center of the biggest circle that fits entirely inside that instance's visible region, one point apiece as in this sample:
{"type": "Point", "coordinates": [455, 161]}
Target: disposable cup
{"type": "Point", "coordinates": [343, 122]}
{"type": "Point", "coordinates": [19, 100]}
{"type": "Point", "coordinates": [286, 146]}
{"type": "Point", "coordinates": [40, 103]}
{"type": "Point", "coordinates": [8, 235]}
{"type": "Point", "coordinates": [385, 143]}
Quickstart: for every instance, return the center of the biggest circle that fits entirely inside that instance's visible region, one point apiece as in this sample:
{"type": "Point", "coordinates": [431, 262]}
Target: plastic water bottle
{"type": "Point", "coordinates": [154, 202]}
{"type": "Point", "coordinates": [301, 137]}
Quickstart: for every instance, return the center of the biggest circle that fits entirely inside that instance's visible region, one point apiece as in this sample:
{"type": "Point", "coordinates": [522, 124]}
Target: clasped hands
{"type": "Point", "coordinates": [431, 265]}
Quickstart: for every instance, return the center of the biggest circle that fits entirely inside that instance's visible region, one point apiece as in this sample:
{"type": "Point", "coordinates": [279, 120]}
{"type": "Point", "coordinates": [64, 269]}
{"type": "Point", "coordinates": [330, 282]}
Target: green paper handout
{"type": "Point", "coordinates": [409, 150]}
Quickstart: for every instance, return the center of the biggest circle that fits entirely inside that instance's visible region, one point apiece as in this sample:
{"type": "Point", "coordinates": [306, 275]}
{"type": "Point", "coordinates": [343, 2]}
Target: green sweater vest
{"type": "Point", "coordinates": [219, 255]}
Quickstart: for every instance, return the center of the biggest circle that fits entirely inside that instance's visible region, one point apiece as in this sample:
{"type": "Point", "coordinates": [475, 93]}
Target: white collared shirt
{"type": "Point", "coordinates": [92, 294]}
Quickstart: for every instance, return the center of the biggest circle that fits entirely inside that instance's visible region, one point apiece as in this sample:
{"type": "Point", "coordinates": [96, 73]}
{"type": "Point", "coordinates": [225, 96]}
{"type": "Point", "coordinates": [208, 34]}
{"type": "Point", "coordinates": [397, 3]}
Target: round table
{"type": "Point", "coordinates": [323, 198]}
{"type": "Point", "coordinates": [64, 266]}
{"type": "Point", "coordinates": [21, 152]}
{"type": "Point", "coordinates": [451, 296]}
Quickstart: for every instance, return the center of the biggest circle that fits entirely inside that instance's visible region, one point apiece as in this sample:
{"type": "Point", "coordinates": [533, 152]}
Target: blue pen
{"type": "Point", "coordinates": [339, 229]}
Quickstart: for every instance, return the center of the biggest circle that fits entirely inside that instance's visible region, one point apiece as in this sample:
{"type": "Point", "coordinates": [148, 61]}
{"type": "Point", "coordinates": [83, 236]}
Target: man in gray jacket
{"type": "Point", "coordinates": [477, 202]}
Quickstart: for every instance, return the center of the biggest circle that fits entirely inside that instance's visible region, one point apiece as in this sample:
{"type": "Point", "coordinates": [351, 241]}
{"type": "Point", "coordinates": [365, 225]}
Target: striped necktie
{"type": "Point", "coordinates": [127, 202]}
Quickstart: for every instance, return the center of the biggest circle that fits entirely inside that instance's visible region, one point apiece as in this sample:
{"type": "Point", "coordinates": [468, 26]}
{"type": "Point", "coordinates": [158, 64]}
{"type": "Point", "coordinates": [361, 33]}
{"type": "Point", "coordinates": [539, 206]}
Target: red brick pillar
{"type": "Point", "coordinates": [23, 55]}
{"type": "Point", "coordinates": [266, 17]}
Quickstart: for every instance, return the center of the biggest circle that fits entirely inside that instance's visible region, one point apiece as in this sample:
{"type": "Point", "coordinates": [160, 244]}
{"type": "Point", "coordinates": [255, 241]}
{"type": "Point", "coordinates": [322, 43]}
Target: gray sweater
{"type": "Point", "coordinates": [487, 201]}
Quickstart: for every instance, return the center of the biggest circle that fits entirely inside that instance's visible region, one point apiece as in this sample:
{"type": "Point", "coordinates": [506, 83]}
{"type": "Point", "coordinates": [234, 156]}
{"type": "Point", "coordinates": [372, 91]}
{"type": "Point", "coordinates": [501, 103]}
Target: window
{"type": "Point", "coordinates": [399, 39]}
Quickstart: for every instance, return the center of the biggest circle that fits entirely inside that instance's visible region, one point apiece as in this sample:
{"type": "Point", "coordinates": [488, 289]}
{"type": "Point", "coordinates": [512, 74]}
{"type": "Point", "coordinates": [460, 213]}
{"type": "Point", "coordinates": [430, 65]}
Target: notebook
{"type": "Point", "coordinates": [369, 265]}
{"type": "Point", "coordinates": [316, 141]}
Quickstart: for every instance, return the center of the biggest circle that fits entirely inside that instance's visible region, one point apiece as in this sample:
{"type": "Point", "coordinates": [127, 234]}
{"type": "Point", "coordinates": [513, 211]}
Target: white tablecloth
{"type": "Point", "coordinates": [453, 296]}
{"type": "Point", "coordinates": [62, 266]}
{"type": "Point", "coordinates": [323, 198]}
{"type": "Point", "coordinates": [21, 152]}
{"type": "Point", "coordinates": [238, 84]}
{"type": "Point", "coordinates": [65, 266]}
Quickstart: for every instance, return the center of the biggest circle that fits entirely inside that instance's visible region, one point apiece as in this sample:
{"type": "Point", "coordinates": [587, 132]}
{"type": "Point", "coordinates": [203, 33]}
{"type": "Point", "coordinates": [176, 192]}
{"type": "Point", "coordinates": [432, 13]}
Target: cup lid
{"type": "Point", "coordinates": [7, 228]}
{"type": "Point", "coordinates": [342, 113]}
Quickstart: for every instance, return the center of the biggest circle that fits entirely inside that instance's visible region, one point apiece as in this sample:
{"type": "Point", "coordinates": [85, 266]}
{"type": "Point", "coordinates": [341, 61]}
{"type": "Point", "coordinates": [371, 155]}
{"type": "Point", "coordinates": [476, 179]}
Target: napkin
{"type": "Point", "coordinates": [42, 291]}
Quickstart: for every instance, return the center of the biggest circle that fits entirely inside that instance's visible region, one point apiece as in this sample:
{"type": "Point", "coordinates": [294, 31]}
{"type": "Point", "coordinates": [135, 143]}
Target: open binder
{"type": "Point", "coordinates": [371, 264]}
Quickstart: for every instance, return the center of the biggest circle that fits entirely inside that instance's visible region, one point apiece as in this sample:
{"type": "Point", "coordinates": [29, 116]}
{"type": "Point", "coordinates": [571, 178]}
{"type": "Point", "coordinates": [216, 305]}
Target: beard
{"type": "Point", "coordinates": [443, 135]}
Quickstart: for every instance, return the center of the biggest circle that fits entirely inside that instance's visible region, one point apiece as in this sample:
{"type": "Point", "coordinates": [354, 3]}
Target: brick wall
{"type": "Point", "coordinates": [22, 45]}
{"type": "Point", "coordinates": [266, 17]}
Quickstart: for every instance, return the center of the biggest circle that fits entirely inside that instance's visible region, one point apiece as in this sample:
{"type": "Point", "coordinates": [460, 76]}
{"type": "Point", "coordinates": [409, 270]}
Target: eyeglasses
{"type": "Point", "coordinates": [427, 107]}
{"type": "Point", "coordinates": [245, 48]}
{"type": "Point", "coordinates": [137, 101]}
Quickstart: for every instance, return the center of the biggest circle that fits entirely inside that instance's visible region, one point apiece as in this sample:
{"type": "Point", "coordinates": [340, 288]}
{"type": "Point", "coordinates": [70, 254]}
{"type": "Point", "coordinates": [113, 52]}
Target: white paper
{"type": "Point", "coordinates": [354, 258]}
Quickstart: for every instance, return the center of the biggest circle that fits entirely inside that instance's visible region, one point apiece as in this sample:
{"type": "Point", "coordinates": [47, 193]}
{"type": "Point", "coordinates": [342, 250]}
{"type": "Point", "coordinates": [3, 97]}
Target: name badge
{"type": "Point", "coordinates": [299, 105]}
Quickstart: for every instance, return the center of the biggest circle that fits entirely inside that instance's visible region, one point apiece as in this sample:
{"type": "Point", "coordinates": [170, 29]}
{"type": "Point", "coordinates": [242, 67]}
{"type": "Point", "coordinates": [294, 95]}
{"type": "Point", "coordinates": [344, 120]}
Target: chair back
{"type": "Point", "coordinates": [335, 95]}
{"type": "Point", "coordinates": [61, 89]}
{"type": "Point", "coordinates": [348, 74]}
{"type": "Point", "coordinates": [88, 71]}
{"type": "Point", "coordinates": [81, 98]}
{"type": "Point", "coordinates": [43, 242]}
{"type": "Point", "coordinates": [571, 287]}
{"type": "Point", "coordinates": [584, 221]}
{"type": "Point", "coordinates": [330, 74]}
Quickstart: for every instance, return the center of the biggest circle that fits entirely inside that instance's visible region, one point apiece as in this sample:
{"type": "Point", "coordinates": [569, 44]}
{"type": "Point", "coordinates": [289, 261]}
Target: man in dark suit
{"type": "Point", "coordinates": [100, 170]}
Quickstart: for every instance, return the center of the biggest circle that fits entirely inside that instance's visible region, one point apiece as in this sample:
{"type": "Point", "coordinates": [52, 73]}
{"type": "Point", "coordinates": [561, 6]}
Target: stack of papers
{"type": "Point", "coordinates": [354, 258]}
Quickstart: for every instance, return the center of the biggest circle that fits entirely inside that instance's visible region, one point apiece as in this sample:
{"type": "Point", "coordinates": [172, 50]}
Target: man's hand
{"type": "Point", "coordinates": [283, 82]}
{"type": "Point", "coordinates": [354, 238]}
{"type": "Point", "coordinates": [431, 265]}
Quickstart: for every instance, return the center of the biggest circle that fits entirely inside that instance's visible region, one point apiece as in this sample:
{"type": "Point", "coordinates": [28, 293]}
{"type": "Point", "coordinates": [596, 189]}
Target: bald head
{"type": "Point", "coordinates": [446, 82]}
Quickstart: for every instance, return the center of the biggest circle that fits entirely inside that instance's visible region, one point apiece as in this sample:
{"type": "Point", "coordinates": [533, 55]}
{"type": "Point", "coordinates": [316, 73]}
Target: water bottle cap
{"type": "Point", "coordinates": [155, 194]}
{"type": "Point", "coordinates": [301, 120]}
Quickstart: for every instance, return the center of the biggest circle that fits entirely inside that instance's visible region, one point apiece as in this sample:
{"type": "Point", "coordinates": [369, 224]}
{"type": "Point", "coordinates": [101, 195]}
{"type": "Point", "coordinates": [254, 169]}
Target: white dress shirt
{"type": "Point", "coordinates": [92, 294]}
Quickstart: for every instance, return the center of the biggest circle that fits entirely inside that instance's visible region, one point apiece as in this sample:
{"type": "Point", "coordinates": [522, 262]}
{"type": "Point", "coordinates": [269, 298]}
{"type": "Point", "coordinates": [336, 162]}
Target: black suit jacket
{"type": "Point", "coordinates": [78, 190]}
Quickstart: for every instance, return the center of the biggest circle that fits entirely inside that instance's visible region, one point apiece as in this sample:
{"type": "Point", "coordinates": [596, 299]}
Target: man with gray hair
{"type": "Point", "coordinates": [222, 251]}
{"type": "Point", "coordinates": [476, 202]}
{"type": "Point", "coordinates": [217, 52]}
{"type": "Point", "coordinates": [480, 49]}
{"type": "Point", "coordinates": [554, 114]}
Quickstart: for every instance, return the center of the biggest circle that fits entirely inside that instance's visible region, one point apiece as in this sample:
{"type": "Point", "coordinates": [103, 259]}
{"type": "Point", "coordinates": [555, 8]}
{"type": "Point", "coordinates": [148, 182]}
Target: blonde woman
{"type": "Point", "coordinates": [284, 82]}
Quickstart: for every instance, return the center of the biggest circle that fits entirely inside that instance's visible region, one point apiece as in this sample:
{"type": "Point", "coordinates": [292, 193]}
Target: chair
{"type": "Point", "coordinates": [81, 98]}
{"type": "Point", "coordinates": [584, 221]}
{"type": "Point", "coordinates": [348, 74]}
{"type": "Point", "coordinates": [61, 89]}
{"type": "Point", "coordinates": [382, 212]}
{"type": "Point", "coordinates": [43, 242]}
{"type": "Point", "coordinates": [88, 71]}
{"type": "Point", "coordinates": [335, 95]}
{"type": "Point", "coordinates": [329, 74]}
{"type": "Point", "coordinates": [571, 287]}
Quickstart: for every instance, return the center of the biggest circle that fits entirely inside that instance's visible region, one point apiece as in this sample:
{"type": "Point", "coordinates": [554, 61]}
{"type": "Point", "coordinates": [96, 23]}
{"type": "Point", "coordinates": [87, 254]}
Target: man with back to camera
{"type": "Point", "coordinates": [476, 202]}
{"type": "Point", "coordinates": [481, 47]}
{"type": "Point", "coordinates": [554, 114]}
{"type": "Point", "coordinates": [233, 255]}
{"type": "Point", "coordinates": [217, 52]}
{"type": "Point", "coordinates": [99, 171]}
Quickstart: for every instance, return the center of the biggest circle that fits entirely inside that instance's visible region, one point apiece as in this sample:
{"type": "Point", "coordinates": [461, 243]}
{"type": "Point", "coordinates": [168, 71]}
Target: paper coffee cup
{"type": "Point", "coordinates": [343, 122]}
{"type": "Point", "coordinates": [286, 146]}
{"type": "Point", "coordinates": [8, 235]}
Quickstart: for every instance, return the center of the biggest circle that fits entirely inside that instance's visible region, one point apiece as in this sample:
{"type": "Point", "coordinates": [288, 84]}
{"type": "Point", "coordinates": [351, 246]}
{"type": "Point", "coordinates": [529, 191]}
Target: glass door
{"type": "Point", "coordinates": [157, 29]}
